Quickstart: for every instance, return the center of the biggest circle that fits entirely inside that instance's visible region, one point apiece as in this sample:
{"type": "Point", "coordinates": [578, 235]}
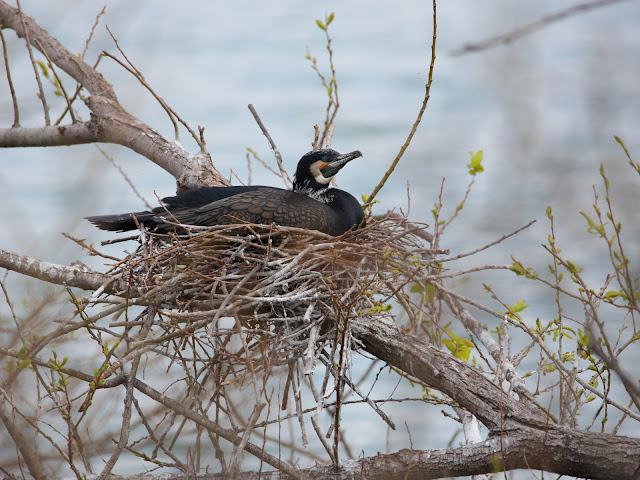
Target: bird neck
{"type": "Point", "coordinates": [311, 188]}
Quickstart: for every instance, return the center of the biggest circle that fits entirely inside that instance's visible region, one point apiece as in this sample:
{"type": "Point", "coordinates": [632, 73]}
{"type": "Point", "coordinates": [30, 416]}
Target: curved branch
{"type": "Point", "coordinates": [57, 274]}
{"type": "Point", "coordinates": [51, 136]}
{"type": "Point", "coordinates": [22, 443]}
{"type": "Point", "coordinates": [532, 27]}
{"type": "Point", "coordinates": [84, 74]}
{"type": "Point", "coordinates": [110, 122]}
{"type": "Point", "coordinates": [444, 372]}
{"type": "Point", "coordinates": [528, 440]}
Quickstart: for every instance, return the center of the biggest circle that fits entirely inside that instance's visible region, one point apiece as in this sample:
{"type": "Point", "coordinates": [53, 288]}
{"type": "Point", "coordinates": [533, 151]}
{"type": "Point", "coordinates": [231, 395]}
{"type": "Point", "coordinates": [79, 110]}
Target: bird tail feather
{"type": "Point", "coordinates": [121, 222]}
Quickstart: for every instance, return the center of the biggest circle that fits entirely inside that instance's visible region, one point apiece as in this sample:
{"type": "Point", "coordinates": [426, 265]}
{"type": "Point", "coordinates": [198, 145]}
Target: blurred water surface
{"type": "Point", "coordinates": [544, 109]}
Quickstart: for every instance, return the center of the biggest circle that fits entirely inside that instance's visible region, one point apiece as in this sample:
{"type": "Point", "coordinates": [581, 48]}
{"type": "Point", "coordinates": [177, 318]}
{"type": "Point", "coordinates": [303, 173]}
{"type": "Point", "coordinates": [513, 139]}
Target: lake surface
{"type": "Point", "coordinates": [543, 109]}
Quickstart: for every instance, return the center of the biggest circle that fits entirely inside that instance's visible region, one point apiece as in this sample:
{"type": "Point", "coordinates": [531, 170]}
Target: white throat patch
{"type": "Point", "coordinates": [317, 174]}
{"type": "Point", "coordinates": [323, 196]}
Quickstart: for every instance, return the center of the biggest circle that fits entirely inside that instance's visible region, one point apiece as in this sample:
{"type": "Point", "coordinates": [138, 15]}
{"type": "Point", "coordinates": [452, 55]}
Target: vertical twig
{"type": "Point", "coordinates": [93, 28]}
{"type": "Point", "coordinates": [327, 142]}
{"type": "Point", "coordinates": [125, 429]}
{"type": "Point", "coordinates": [35, 67]}
{"type": "Point", "coordinates": [333, 103]}
{"type": "Point", "coordinates": [272, 144]}
{"type": "Point", "coordinates": [16, 112]}
{"type": "Point", "coordinates": [248, 169]}
{"type": "Point", "coordinates": [79, 88]}
{"type": "Point", "coordinates": [60, 85]}
{"type": "Point", "coordinates": [420, 113]}
{"type": "Point", "coordinates": [22, 444]}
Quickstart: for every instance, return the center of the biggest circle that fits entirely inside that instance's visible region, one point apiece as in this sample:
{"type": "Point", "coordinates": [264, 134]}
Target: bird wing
{"type": "Point", "coordinates": [263, 206]}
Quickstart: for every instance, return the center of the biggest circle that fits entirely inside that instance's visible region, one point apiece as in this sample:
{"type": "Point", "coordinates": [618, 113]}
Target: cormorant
{"type": "Point", "coordinates": [312, 204]}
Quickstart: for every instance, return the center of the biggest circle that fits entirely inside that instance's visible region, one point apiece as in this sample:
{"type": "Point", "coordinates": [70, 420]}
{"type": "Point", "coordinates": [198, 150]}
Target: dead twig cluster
{"type": "Point", "coordinates": [229, 305]}
{"type": "Point", "coordinates": [282, 285]}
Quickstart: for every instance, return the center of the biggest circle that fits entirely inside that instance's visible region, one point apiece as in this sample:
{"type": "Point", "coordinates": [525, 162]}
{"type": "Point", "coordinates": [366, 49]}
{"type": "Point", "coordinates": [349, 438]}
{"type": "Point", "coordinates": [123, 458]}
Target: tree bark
{"type": "Point", "coordinates": [528, 440]}
{"type": "Point", "coordinates": [58, 274]}
{"type": "Point", "coordinates": [110, 123]}
{"type": "Point", "coordinates": [521, 437]}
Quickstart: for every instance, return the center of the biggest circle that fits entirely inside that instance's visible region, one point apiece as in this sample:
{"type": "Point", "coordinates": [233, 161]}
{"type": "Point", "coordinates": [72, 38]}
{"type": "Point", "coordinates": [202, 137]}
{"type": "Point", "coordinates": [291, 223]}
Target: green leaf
{"type": "Point", "coordinates": [584, 339]}
{"type": "Point", "coordinates": [519, 270]}
{"type": "Point", "coordinates": [44, 68]}
{"type": "Point", "coordinates": [459, 347]}
{"type": "Point", "coordinates": [330, 18]}
{"type": "Point", "coordinates": [593, 228]}
{"type": "Point", "coordinates": [475, 166]}
{"type": "Point", "coordinates": [612, 294]}
{"type": "Point", "coordinates": [24, 363]}
{"type": "Point", "coordinates": [320, 25]}
{"type": "Point", "coordinates": [573, 268]}
{"type": "Point", "coordinates": [548, 213]}
{"type": "Point", "coordinates": [519, 306]}
{"type": "Point", "coordinates": [429, 292]}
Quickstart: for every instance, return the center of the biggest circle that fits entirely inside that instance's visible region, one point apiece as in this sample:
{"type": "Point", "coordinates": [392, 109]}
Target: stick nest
{"type": "Point", "coordinates": [289, 291]}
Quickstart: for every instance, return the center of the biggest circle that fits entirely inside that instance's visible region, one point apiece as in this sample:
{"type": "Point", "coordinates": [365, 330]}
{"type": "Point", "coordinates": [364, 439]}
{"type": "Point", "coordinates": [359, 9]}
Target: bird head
{"type": "Point", "coordinates": [317, 168]}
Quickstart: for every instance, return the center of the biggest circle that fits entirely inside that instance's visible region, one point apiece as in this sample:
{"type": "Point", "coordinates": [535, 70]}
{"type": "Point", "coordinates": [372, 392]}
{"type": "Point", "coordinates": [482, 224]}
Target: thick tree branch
{"type": "Point", "coordinates": [57, 274]}
{"type": "Point", "coordinates": [110, 123]}
{"type": "Point", "coordinates": [523, 452]}
{"type": "Point", "coordinates": [22, 443]}
{"type": "Point", "coordinates": [555, 449]}
{"type": "Point", "coordinates": [84, 74]}
{"type": "Point", "coordinates": [441, 370]}
{"type": "Point", "coordinates": [51, 136]}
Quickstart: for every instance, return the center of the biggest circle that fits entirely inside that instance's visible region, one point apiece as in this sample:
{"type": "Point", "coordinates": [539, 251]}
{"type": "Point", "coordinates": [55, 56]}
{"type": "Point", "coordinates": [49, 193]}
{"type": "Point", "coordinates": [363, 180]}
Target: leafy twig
{"type": "Point", "coordinates": [420, 113]}
{"type": "Point", "coordinates": [331, 86]}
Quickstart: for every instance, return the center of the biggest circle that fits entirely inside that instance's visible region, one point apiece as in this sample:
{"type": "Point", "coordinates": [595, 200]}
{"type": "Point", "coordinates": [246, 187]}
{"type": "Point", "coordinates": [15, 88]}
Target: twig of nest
{"type": "Point", "coordinates": [289, 289]}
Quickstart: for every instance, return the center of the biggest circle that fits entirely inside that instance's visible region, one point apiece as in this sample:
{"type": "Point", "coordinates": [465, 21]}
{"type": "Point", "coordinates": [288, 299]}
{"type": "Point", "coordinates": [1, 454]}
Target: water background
{"type": "Point", "coordinates": [544, 109]}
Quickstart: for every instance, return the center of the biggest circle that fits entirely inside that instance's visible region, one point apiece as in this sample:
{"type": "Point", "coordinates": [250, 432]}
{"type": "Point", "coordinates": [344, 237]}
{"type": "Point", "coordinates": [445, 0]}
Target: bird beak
{"type": "Point", "coordinates": [331, 168]}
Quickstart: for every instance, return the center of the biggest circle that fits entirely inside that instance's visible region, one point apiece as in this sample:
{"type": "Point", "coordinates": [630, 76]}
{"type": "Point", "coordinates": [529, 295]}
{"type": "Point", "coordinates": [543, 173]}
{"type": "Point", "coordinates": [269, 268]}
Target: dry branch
{"type": "Point", "coordinates": [292, 292]}
{"type": "Point", "coordinates": [109, 123]}
{"type": "Point", "coordinates": [534, 26]}
{"type": "Point", "coordinates": [56, 274]}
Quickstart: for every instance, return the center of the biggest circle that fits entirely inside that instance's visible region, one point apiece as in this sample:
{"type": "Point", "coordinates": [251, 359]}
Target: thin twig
{"type": "Point", "coordinates": [274, 149]}
{"type": "Point", "coordinates": [489, 245]}
{"type": "Point", "coordinates": [531, 27]}
{"type": "Point", "coordinates": [414, 128]}
{"type": "Point", "coordinates": [173, 115]}
{"type": "Point", "coordinates": [45, 107]}
{"type": "Point", "coordinates": [16, 111]}
{"type": "Point", "coordinates": [58, 82]}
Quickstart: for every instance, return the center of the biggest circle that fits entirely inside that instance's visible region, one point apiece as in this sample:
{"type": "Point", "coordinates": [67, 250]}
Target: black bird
{"type": "Point", "coordinates": [312, 204]}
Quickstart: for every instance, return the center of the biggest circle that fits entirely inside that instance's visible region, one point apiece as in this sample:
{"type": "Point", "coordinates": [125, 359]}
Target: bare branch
{"type": "Point", "coordinates": [276, 152]}
{"type": "Point", "coordinates": [414, 128]}
{"type": "Point", "coordinates": [630, 384]}
{"type": "Point", "coordinates": [532, 27]}
{"type": "Point", "coordinates": [110, 123]}
{"type": "Point", "coordinates": [42, 96]}
{"type": "Point", "coordinates": [23, 445]}
{"type": "Point", "coordinates": [50, 136]}
{"type": "Point", "coordinates": [16, 110]}
{"type": "Point", "coordinates": [53, 273]}
{"type": "Point", "coordinates": [93, 81]}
